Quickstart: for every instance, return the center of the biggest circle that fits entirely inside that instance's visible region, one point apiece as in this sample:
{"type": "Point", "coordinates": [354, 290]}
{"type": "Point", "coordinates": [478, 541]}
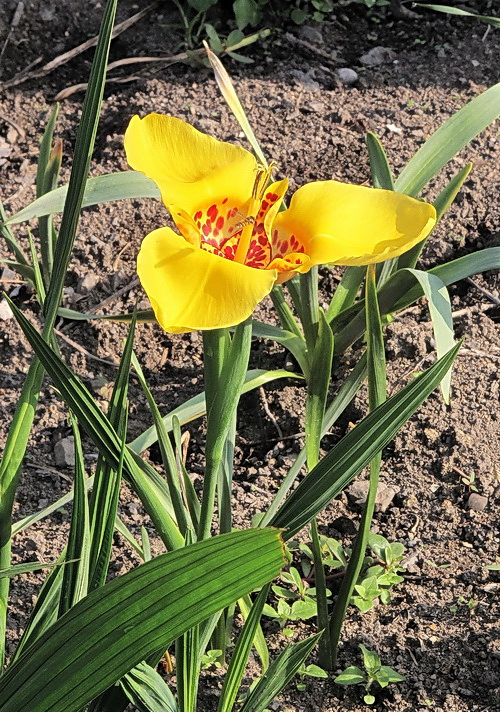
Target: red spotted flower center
{"type": "Point", "coordinates": [244, 233]}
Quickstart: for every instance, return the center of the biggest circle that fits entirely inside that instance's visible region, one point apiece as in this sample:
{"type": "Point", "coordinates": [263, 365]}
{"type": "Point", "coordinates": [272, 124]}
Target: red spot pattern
{"type": "Point", "coordinates": [282, 246]}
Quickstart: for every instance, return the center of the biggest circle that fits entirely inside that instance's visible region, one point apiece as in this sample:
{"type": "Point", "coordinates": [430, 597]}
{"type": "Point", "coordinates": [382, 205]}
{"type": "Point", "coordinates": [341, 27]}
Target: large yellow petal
{"type": "Point", "coordinates": [348, 224]}
{"type": "Point", "coordinates": [191, 169]}
{"type": "Point", "coordinates": [192, 289]}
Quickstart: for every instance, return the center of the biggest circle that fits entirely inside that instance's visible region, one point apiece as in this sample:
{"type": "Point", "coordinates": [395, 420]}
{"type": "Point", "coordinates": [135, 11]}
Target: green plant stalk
{"type": "Point", "coordinates": [376, 396]}
{"type": "Point", "coordinates": [225, 365]}
{"type": "Point", "coordinates": [319, 339]}
{"type": "Point", "coordinates": [19, 431]}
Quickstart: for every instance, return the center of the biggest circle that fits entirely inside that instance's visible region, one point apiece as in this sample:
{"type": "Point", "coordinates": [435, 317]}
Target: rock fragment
{"type": "Point", "coordinates": [377, 56]}
{"type": "Point", "coordinates": [64, 452]}
{"type": "Point", "coordinates": [305, 81]}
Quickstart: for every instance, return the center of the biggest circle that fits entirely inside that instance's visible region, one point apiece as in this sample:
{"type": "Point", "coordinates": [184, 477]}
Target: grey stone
{"type": "Point", "coordinates": [5, 311]}
{"type": "Point", "coordinates": [64, 452]}
{"type": "Point", "coordinates": [358, 491]}
{"type": "Point", "coordinates": [376, 56]}
{"type": "Point", "coordinates": [310, 34]}
{"type": "Point", "coordinates": [477, 502]}
{"type": "Point", "coordinates": [305, 80]}
{"type": "Point", "coordinates": [346, 75]}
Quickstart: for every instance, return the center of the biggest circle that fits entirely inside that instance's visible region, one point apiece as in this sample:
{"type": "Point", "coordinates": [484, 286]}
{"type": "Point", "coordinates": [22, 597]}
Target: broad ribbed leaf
{"type": "Point", "coordinates": [349, 456]}
{"type": "Point", "coordinates": [103, 189]}
{"type": "Point", "coordinates": [118, 625]}
{"type": "Point", "coordinates": [448, 140]}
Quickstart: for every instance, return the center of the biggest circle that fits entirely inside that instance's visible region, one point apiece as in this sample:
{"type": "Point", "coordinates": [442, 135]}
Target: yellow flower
{"type": "Point", "coordinates": [234, 244]}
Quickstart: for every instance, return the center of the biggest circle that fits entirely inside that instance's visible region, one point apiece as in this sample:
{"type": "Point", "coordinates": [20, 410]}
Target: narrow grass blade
{"type": "Point", "coordinates": [317, 389]}
{"type": "Point", "coordinates": [118, 625]}
{"type": "Point", "coordinates": [19, 431]}
{"type": "Point", "coordinates": [342, 398]}
{"type": "Point", "coordinates": [349, 456]}
{"type": "Point", "coordinates": [225, 371]}
{"type": "Point", "coordinates": [241, 652]}
{"type": "Point", "coordinates": [10, 239]}
{"type": "Point", "coordinates": [102, 189]}
{"type": "Point", "coordinates": [144, 479]}
{"type": "Point", "coordinates": [107, 479]}
{"type": "Point", "coordinates": [379, 165]}
{"type": "Point", "coordinates": [449, 10]}
{"type": "Point", "coordinates": [448, 140]}
{"type": "Point", "coordinates": [285, 314]}
{"type": "Point", "coordinates": [442, 320]}
{"type": "Point", "coordinates": [295, 344]}
{"type": "Point", "coordinates": [19, 569]}
{"type": "Point", "coordinates": [245, 605]}
{"type": "Point", "coordinates": [24, 270]}
{"type": "Point", "coordinates": [346, 292]}
{"type": "Point", "coordinates": [167, 454]}
{"type": "Point", "coordinates": [44, 613]}
{"type": "Point", "coordinates": [45, 149]}
{"type": "Point", "coordinates": [76, 574]}
{"type": "Point", "coordinates": [46, 229]}
{"type": "Point", "coordinates": [280, 672]}
{"type": "Point", "coordinates": [143, 316]}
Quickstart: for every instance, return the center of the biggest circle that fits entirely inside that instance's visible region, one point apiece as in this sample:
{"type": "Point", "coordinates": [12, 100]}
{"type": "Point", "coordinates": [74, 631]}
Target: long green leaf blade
{"type": "Point", "coordinates": [280, 672]}
{"type": "Point", "coordinates": [442, 320]}
{"type": "Point", "coordinates": [396, 295]}
{"type": "Point", "coordinates": [349, 456]}
{"type": "Point", "coordinates": [118, 625]}
{"type": "Point", "coordinates": [448, 140]}
{"type": "Point", "coordinates": [102, 189]}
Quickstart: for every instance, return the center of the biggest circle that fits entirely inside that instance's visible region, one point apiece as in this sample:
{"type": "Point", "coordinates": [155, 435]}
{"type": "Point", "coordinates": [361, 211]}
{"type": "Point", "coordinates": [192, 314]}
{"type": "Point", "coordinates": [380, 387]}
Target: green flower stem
{"type": "Point", "coordinates": [376, 396]}
{"type": "Point", "coordinates": [225, 364]}
{"type": "Point", "coordinates": [310, 308]}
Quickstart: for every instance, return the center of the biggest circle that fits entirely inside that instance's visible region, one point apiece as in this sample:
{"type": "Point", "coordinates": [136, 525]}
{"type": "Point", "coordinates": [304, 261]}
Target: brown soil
{"type": "Point", "coordinates": [449, 654]}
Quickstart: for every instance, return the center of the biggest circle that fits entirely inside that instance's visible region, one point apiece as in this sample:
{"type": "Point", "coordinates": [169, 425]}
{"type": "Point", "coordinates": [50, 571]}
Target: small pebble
{"type": "Point", "coordinates": [477, 502]}
{"type": "Point", "coordinates": [347, 76]}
